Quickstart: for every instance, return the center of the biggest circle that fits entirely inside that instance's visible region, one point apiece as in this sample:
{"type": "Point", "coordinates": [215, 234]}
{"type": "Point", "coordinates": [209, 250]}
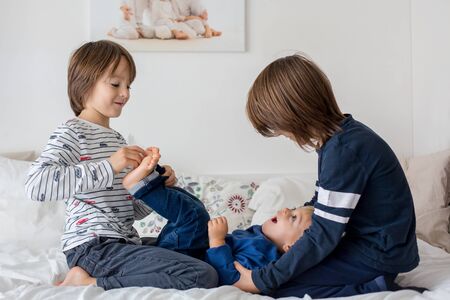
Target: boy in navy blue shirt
{"type": "Point", "coordinates": [190, 231]}
{"type": "Point", "coordinates": [363, 224]}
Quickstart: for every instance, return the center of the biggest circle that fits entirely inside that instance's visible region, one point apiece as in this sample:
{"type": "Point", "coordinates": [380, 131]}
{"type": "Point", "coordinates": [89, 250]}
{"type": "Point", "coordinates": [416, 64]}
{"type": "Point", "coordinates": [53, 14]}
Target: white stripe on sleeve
{"type": "Point", "coordinates": [331, 217]}
{"type": "Point", "coordinates": [337, 199]}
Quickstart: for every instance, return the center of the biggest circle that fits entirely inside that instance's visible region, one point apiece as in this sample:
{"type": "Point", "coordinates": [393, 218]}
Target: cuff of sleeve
{"type": "Point", "coordinates": [133, 190]}
{"type": "Point", "coordinates": [110, 172]}
{"type": "Point", "coordinates": [259, 283]}
{"type": "Point", "coordinates": [221, 255]}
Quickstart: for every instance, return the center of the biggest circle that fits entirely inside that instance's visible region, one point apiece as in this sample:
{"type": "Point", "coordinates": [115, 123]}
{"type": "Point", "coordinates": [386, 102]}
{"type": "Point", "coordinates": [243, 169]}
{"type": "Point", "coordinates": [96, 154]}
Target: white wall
{"type": "Point", "coordinates": [431, 75]}
{"type": "Point", "coordinates": [191, 105]}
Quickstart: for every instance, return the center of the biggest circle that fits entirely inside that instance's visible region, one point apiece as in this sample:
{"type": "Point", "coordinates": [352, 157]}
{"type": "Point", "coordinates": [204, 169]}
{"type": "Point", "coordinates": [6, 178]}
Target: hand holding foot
{"type": "Point", "coordinates": [147, 166]}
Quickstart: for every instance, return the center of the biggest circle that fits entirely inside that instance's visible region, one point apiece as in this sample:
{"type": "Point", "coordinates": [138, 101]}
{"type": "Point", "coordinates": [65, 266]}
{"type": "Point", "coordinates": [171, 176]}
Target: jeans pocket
{"type": "Point", "coordinates": [77, 255]}
{"type": "Point", "coordinates": [74, 255]}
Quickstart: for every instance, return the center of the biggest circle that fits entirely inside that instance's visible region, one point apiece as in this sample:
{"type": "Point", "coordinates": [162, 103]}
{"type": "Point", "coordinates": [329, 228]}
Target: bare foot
{"type": "Point", "coordinates": [216, 33]}
{"type": "Point", "coordinates": [180, 35]}
{"type": "Point", "coordinates": [147, 166]}
{"type": "Point", "coordinates": [208, 33]}
{"type": "Point", "coordinates": [77, 277]}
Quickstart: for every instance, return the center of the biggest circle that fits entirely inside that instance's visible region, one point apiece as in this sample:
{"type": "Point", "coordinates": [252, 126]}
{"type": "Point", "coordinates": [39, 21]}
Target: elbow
{"type": "Point", "coordinates": [29, 192]}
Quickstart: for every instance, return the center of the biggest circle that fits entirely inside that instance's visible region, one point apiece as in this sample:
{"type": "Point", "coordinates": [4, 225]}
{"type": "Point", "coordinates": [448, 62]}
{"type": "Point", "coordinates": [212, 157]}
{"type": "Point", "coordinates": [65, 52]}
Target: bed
{"type": "Point", "coordinates": [31, 259]}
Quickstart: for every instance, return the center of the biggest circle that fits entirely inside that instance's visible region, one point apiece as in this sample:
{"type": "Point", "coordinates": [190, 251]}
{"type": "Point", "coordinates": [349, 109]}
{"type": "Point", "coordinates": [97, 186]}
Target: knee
{"type": "Point", "coordinates": [197, 26]}
{"type": "Point", "coordinates": [207, 276]}
{"type": "Point", "coordinates": [163, 32]}
{"type": "Point", "coordinates": [202, 215]}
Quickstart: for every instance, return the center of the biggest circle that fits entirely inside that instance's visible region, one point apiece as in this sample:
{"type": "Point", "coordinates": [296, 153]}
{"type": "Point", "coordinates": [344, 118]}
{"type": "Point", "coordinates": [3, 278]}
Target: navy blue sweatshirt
{"type": "Point", "coordinates": [362, 203]}
{"type": "Point", "coordinates": [250, 247]}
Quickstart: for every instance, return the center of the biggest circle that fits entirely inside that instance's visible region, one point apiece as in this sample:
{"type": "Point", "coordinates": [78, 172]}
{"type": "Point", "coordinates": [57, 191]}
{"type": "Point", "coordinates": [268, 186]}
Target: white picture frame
{"type": "Point", "coordinates": [154, 25]}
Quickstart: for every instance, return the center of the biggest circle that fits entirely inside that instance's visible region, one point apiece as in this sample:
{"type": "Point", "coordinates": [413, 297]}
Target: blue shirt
{"type": "Point", "coordinates": [362, 203]}
{"type": "Point", "coordinates": [251, 248]}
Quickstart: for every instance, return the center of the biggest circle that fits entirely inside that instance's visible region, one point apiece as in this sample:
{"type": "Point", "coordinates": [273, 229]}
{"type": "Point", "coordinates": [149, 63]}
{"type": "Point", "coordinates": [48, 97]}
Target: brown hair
{"type": "Point", "coordinates": [293, 95]}
{"type": "Point", "coordinates": [88, 63]}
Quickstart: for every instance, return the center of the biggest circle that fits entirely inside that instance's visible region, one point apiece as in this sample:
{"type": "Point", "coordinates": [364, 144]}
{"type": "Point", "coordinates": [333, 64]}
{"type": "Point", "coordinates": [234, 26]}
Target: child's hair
{"type": "Point", "coordinates": [88, 63]}
{"type": "Point", "coordinates": [293, 95]}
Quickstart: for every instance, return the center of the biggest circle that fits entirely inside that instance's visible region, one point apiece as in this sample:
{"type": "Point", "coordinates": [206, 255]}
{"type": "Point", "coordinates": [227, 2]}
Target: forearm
{"type": "Point", "coordinates": [221, 258]}
{"type": "Point", "coordinates": [307, 252]}
{"type": "Point", "coordinates": [187, 18]}
{"type": "Point", "coordinates": [48, 181]}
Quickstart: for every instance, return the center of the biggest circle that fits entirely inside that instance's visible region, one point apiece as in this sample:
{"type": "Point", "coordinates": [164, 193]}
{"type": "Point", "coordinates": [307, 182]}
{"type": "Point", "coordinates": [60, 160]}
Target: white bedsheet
{"type": "Point", "coordinates": [29, 274]}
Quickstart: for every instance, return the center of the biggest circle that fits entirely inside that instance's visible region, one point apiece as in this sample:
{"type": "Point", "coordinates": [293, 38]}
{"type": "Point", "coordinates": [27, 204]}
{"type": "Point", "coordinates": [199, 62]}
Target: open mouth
{"type": "Point", "coordinates": [274, 220]}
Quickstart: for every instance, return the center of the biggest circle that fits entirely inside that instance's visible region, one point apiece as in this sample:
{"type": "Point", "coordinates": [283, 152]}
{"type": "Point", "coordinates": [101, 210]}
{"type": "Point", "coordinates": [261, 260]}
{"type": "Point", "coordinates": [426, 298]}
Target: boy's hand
{"type": "Point", "coordinates": [217, 229]}
{"type": "Point", "coordinates": [129, 156]}
{"type": "Point", "coordinates": [147, 166]}
{"type": "Point", "coordinates": [171, 174]}
{"type": "Point", "coordinates": [153, 152]}
{"type": "Point", "coordinates": [204, 15]}
{"type": "Point", "coordinates": [245, 282]}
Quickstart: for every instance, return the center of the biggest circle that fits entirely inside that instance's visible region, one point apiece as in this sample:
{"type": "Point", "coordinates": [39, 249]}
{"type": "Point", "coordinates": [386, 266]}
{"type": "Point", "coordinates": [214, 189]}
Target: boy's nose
{"type": "Point", "coordinates": [284, 211]}
{"type": "Point", "coordinates": [124, 93]}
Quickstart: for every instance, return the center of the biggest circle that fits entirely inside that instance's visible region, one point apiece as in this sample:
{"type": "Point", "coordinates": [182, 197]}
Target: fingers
{"type": "Point", "coordinates": [151, 150]}
{"type": "Point", "coordinates": [172, 179]}
{"type": "Point", "coordinates": [239, 267]}
{"type": "Point", "coordinates": [169, 170]}
{"type": "Point", "coordinates": [136, 149]}
{"type": "Point", "coordinates": [133, 159]}
{"type": "Point", "coordinates": [218, 221]}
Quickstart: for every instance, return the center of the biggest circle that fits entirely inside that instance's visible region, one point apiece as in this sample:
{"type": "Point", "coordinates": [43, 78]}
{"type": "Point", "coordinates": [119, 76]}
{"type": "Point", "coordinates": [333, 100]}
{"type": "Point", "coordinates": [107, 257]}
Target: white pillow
{"type": "Point", "coordinates": [280, 192]}
{"type": "Point", "coordinates": [429, 179]}
{"type": "Point", "coordinates": [221, 196]}
{"type": "Point", "coordinates": [21, 155]}
{"type": "Point", "coordinates": [23, 221]}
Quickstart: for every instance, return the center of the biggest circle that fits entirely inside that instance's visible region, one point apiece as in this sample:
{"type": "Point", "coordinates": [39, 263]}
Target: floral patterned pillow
{"type": "Point", "coordinates": [222, 197]}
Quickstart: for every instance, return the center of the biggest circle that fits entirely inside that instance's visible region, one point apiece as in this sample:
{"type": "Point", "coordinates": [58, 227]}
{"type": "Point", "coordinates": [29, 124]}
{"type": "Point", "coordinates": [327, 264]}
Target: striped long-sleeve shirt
{"type": "Point", "coordinates": [74, 168]}
{"type": "Point", "coordinates": [362, 192]}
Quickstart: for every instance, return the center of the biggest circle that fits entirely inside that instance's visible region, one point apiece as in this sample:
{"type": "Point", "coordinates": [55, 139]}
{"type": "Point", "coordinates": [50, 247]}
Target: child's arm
{"type": "Point", "coordinates": [222, 259]}
{"type": "Point", "coordinates": [141, 210]}
{"type": "Point", "coordinates": [198, 9]}
{"type": "Point", "coordinates": [60, 172]}
{"type": "Point", "coordinates": [342, 180]}
{"type": "Point", "coordinates": [220, 255]}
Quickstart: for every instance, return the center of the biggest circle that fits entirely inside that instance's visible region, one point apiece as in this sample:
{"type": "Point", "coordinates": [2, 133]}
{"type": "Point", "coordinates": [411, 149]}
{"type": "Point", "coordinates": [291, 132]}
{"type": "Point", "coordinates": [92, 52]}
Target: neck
{"type": "Point", "coordinates": [94, 118]}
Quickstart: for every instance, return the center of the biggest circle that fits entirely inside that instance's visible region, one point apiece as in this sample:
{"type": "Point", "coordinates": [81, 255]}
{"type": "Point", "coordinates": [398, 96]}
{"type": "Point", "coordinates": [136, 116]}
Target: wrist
{"type": "Point", "coordinates": [112, 167]}
{"type": "Point", "coordinates": [213, 243]}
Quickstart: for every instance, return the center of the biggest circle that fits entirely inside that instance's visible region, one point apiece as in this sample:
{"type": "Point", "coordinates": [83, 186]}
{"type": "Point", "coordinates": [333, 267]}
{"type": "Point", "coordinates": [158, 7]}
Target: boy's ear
{"type": "Point", "coordinates": [286, 247]}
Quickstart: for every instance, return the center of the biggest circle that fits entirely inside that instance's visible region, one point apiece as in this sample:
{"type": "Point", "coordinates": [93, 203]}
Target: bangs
{"type": "Point", "coordinates": [261, 118]}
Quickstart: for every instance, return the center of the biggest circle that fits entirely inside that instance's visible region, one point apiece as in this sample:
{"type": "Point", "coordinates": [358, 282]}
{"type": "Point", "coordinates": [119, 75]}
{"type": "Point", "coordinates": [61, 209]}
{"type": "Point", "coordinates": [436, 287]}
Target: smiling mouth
{"type": "Point", "coordinates": [274, 220]}
{"type": "Point", "coordinates": [119, 103]}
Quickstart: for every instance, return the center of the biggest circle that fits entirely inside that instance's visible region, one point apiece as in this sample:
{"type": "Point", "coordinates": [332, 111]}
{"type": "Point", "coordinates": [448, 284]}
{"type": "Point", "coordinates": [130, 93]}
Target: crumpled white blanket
{"type": "Point", "coordinates": [28, 274]}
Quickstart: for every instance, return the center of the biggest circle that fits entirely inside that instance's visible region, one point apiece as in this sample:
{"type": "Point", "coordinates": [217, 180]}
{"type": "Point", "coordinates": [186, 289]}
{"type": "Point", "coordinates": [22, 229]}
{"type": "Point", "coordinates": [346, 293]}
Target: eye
{"type": "Point", "coordinates": [293, 218]}
{"type": "Point", "coordinates": [115, 85]}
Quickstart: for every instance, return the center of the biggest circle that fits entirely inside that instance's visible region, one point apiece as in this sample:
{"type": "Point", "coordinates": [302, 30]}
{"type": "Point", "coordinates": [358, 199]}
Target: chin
{"type": "Point", "coordinates": [264, 226]}
{"type": "Point", "coordinates": [115, 114]}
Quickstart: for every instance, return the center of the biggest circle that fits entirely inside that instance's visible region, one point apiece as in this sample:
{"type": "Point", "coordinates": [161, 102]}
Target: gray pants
{"type": "Point", "coordinates": [117, 264]}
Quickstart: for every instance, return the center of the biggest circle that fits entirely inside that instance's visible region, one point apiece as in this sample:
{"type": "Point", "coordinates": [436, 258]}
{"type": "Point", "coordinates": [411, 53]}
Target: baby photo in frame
{"type": "Point", "coordinates": [170, 25]}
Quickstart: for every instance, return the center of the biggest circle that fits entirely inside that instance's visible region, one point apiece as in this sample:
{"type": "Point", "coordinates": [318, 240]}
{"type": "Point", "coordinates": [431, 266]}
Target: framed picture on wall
{"type": "Point", "coordinates": [170, 25]}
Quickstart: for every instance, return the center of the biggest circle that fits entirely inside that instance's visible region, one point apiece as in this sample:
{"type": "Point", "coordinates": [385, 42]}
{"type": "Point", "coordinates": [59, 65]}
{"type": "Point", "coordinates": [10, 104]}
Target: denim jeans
{"type": "Point", "coordinates": [115, 264]}
{"type": "Point", "coordinates": [186, 230]}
